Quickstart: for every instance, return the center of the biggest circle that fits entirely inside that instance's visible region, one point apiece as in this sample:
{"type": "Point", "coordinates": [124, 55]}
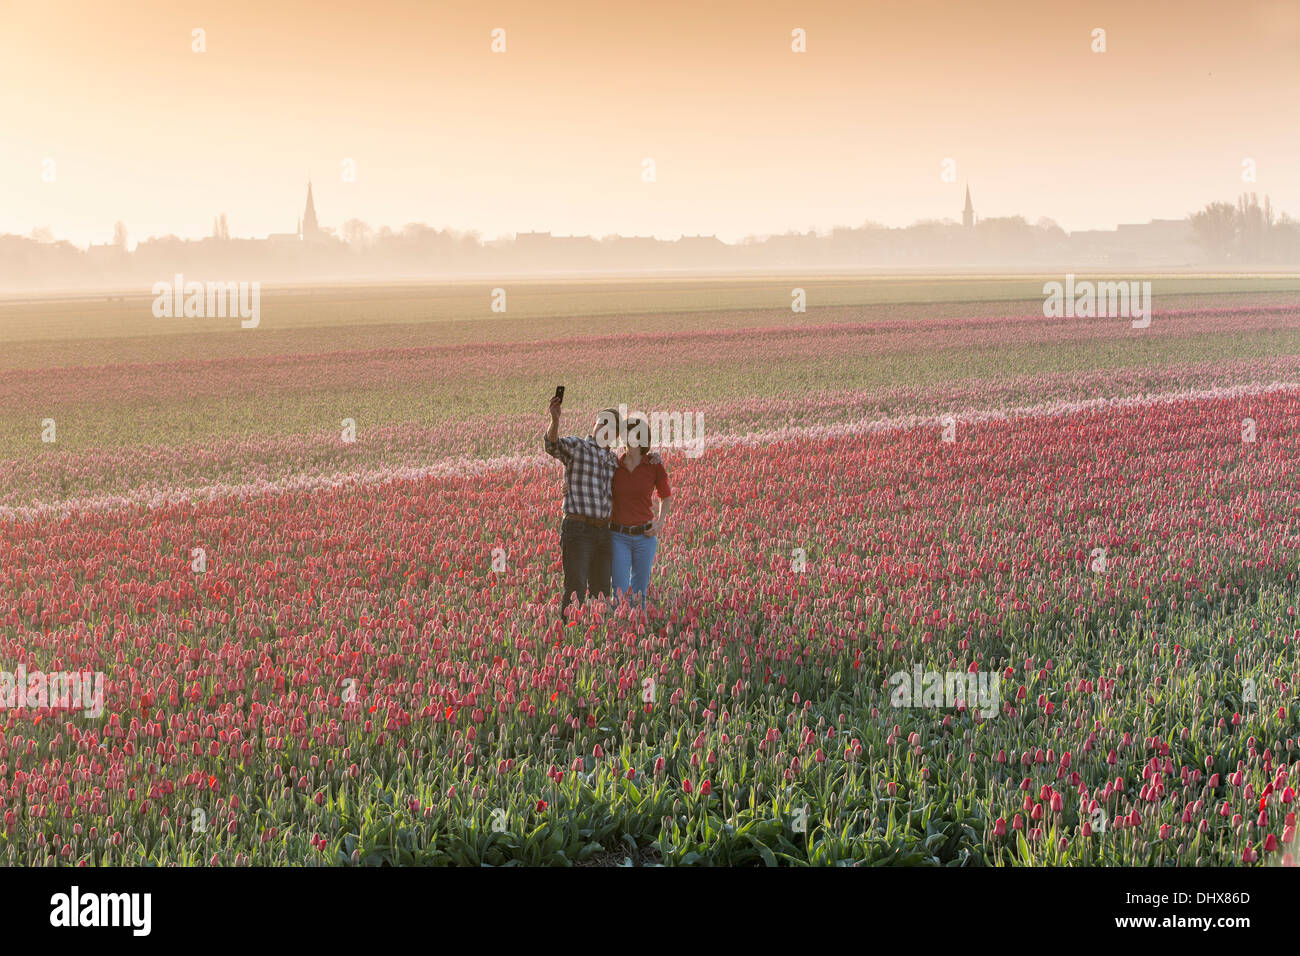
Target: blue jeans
{"type": "Point", "coordinates": [631, 556]}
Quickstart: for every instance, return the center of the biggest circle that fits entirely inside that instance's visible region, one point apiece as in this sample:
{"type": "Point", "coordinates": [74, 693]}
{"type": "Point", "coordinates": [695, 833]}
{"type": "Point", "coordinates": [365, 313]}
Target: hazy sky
{"type": "Point", "coordinates": [746, 135]}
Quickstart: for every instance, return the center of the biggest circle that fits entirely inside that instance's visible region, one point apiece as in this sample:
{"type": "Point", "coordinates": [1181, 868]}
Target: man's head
{"type": "Point", "coordinates": [605, 429]}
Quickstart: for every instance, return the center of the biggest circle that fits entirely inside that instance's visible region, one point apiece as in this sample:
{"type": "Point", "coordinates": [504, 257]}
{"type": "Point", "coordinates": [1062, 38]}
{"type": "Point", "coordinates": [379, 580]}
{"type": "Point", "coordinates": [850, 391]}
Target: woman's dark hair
{"type": "Point", "coordinates": [638, 434]}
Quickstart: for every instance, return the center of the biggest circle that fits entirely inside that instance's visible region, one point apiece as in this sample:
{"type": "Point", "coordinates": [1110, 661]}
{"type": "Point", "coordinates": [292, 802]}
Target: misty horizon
{"type": "Point", "coordinates": [336, 228]}
{"type": "Point", "coordinates": [1247, 233]}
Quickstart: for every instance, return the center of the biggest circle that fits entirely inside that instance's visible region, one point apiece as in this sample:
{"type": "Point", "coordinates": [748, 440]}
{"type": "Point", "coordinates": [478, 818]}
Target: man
{"type": "Point", "coordinates": [589, 465]}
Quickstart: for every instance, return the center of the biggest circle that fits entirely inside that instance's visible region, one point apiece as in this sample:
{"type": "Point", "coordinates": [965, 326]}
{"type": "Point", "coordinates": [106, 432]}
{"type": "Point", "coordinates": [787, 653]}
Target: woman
{"type": "Point", "coordinates": [635, 521]}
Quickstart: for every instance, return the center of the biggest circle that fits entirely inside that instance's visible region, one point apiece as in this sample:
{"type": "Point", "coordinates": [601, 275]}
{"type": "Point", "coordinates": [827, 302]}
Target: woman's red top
{"type": "Point", "coordinates": [632, 489]}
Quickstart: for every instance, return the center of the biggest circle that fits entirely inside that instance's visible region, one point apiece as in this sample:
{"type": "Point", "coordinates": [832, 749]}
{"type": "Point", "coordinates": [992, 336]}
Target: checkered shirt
{"type": "Point", "coordinates": [588, 475]}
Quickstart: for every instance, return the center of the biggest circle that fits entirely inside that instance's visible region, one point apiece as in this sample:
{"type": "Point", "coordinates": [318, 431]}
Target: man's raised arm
{"type": "Point", "coordinates": [553, 433]}
{"type": "Point", "coordinates": [554, 447]}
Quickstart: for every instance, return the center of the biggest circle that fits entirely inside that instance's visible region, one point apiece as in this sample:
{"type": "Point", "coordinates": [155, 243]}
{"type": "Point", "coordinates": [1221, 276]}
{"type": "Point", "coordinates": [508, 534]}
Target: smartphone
{"type": "Point", "coordinates": [559, 392]}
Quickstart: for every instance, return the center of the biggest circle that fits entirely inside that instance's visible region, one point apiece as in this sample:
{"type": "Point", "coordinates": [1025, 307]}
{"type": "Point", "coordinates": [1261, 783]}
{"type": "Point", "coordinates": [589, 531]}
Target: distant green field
{"type": "Point", "coordinates": [52, 332]}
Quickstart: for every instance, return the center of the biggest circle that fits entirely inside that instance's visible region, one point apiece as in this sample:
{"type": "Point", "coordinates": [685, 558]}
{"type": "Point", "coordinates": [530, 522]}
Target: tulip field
{"type": "Point", "coordinates": [335, 647]}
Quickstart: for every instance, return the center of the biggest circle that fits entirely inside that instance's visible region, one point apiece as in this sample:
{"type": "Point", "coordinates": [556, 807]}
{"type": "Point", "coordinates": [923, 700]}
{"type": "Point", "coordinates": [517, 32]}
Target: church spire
{"type": "Point", "coordinates": [968, 214]}
{"type": "Point", "coordinates": [310, 227]}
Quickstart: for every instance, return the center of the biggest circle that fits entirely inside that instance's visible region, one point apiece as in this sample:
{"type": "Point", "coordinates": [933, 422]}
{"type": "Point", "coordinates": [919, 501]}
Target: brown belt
{"type": "Point", "coordinates": [629, 528]}
{"type": "Point", "coordinates": [595, 522]}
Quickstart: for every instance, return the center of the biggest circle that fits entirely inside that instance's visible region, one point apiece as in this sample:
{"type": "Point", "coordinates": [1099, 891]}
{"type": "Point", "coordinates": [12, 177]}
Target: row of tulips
{"type": "Point", "coordinates": [115, 475]}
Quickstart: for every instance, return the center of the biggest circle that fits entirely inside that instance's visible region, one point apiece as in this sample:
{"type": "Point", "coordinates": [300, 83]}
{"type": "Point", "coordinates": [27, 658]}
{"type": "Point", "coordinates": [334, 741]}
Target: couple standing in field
{"type": "Point", "coordinates": [611, 524]}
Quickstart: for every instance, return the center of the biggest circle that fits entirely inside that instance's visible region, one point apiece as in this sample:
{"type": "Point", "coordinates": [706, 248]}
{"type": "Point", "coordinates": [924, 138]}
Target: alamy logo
{"type": "Point", "coordinates": [103, 909]}
{"type": "Point", "coordinates": [199, 300]}
{"type": "Point", "coordinates": [979, 690]}
{"type": "Point", "coordinates": [65, 690]}
{"type": "Point", "coordinates": [657, 430]}
{"type": "Point", "coordinates": [1103, 300]}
